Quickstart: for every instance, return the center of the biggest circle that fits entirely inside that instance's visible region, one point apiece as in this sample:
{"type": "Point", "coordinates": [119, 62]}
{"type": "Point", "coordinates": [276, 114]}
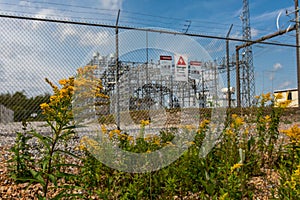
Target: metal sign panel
{"type": "Point", "coordinates": [165, 65]}
{"type": "Point", "coordinates": [195, 69]}
{"type": "Point", "coordinates": [181, 68]}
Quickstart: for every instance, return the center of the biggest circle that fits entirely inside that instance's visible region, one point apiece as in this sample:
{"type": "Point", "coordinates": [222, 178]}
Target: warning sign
{"type": "Point", "coordinates": [195, 67]}
{"type": "Point", "coordinates": [166, 65]}
{"type": "Point", "coordinates": [181, 61]}
{"type": "Point", "coordinates": [181, 68]}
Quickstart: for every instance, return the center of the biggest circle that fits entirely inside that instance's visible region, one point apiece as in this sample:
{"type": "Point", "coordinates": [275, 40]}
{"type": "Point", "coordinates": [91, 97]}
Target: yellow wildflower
{"type": "Point", "coordinates": [293, 133]}
{"type": "Point", "coordinates": [204, 123]}
{"type": "Point", "coordinates": [190, 143]}
{"type": "Point", "coordinates": [170, 143]}
{"type": "Point", "coordinates": [148, 138]}
{"type": "Point", "coordinates": [156, 141]}
{"type": "Point", "coordinates": [71, 88]}
{"type": "Point", "coordinates": [123, 136]}
{"type": "Point", "coordinates": [283, 104]}
{"type": "Point", "coordinates": [295, 179]}
{"type": "Point", "coordinates": [53, 98]}
{"type": "Point", "coordinates": [82, 147]}
{"type": "Point", "coordinates": [148, 151]}
{"type": "Point", "coordinates": [145, 122]}
{"type": "Point", "coordinates": [103, 128]}
{"type": "Point", "coordinates": [111, 134]}
{"type": "Point", "coordinates": [118, 132]}
{"type": "Point", "coordinates": [229, 132]}
{"type": "Point", "coordinates": [266, 97]}
{"type": "Point", "coordinates": [236, 166]}
{"type": "Point", "coordinates": [190, 127]}
{"type": "Point", "coordinates": [44, 106]}
{"type": "Point", "coordinates": [85, 141]}
{"type": "Point", "coordinates": [62, 82]}
{"type": "Point", "coordinates": [63, 92]}
{"type": "Point", "coordinates": [267, 118]}
{"type": "Point", "coordinates": [239, 121]}
{"type": "Point", "coordinates": [246, 131]}
{"type": "Point", "coordinates": [292, 183]}
{"type": "Point", "coordinates": [130, 138]}
{"type": "Point", "coordinates": [279, 96]}
{"type": "Point", "coordinates": [234, 116]}
{"type": "Point", "coordinates": [296, 174]}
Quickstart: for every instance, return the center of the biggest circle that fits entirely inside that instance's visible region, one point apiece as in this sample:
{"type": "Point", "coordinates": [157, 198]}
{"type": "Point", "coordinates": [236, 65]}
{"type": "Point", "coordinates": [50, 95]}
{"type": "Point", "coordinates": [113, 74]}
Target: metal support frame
{"type": "Point", "coordinates": [238, 88]}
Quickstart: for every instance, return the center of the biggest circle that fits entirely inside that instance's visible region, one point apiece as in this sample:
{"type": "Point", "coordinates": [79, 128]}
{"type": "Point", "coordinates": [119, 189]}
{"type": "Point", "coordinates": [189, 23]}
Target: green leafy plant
{"type": "Point", "coordinates": [22, 158]}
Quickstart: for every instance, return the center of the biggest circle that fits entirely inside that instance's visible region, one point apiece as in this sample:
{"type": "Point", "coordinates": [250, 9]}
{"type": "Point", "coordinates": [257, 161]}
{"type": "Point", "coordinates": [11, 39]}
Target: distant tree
{"type": "Point", "coordinates": [24, 108]}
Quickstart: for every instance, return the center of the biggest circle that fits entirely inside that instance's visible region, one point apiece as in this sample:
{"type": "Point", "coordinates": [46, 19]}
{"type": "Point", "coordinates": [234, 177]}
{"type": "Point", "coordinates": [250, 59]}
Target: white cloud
{"type": "Point", "coordinates": [25, 3]}
{"type": "Point", "coordinates": [237, 35]}
{"type": "Point", "coordinates": [238, 12]}
{"type": "Point", "coordinates": [86, 36]}
{"type": "Point", "coordinates": [65, 32]}
{"type": "Point", "coordinates": [269, 15]}
{"type": "Point", "coordinates": [254, 32]}
{"type": "Point", "coordinates": [285, 84]}
{"type": "Point", "coordinates": [271, 76]}
{"type": "Point", "coordinates": [111, 4]}
{"type": "Point", "coordinates": [45, 13]}
{"type": "Point", "coordinates": [277, 66]}
{"type": "Point", "coordinates": [94, 37]}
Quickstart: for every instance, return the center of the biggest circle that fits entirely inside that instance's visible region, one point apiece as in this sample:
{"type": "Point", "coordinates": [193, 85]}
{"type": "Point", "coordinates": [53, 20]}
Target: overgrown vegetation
{"type": "Point", "coordinates": [249, 147]}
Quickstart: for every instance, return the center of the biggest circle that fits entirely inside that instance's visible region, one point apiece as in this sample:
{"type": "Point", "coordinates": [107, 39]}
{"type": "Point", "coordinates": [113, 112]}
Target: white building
{"type": "Point", "coordinates": [288, 94]}
{"type": "Point", "coordinates": [6, 115]}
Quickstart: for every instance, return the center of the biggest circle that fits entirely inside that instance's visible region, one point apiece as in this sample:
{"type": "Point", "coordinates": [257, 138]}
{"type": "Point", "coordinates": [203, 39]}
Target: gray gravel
{"type": "Point", "coordinates": [8, 130]}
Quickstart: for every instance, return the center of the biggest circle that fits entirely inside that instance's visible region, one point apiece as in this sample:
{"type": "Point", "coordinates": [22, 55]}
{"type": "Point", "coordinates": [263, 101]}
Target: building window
{"type": "Point", "coordinates": [289, 96]}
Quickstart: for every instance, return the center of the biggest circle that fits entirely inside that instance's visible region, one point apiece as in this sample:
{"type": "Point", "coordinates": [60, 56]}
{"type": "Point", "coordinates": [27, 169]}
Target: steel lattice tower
{"type": "Point", "coordinates": [247, 69]}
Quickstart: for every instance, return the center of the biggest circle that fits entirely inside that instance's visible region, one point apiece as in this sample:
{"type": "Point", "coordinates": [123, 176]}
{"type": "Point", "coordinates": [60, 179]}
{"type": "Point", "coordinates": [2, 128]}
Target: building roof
{"type": "Point", "coordinates": [286, 90]}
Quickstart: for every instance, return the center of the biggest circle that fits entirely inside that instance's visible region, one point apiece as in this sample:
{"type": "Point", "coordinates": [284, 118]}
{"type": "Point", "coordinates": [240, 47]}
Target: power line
{"type": "Point", "coordinates": [69, 5]}
{"type": "Point", "coordinates": [133, 20]}
{"type": "Point", "coordinates": [54, 16]}
{"type": "Point", "coordinates": [155, 19]}
{"type": "Point", "coordinates": [140, 29]}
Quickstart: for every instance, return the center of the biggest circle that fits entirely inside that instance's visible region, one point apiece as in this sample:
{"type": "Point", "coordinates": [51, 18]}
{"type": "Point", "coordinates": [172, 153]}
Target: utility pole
{"type": "Point", "coordinates": [238, 83]}
{"type": "Point", "coordinates": [203, 100]}
{"type": "Point", "coordinates": [248, 79]}
{"type": "Point", "coordinates": [227, 67]}
{"type": "Point", "coordinates": [297, 49]}
{"type": "Point", "coordinates": [147, 57]}
{"type": "Point", "coordinates": [237, 48]}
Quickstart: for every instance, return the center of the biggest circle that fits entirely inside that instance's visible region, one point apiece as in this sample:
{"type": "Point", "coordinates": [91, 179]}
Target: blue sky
{"type": "Point", "coordinates": [275, 67]}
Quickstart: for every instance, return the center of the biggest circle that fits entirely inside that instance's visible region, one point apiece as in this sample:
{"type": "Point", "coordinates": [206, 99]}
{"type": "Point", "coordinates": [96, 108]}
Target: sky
{"type": "Point", "coordinates": [31, 51]}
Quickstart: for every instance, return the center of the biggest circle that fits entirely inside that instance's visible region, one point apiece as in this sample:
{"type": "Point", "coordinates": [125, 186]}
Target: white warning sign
{"type": "Point", "coordinates": [181, 68]}
{"type": "Point", "coordinates": [166, 65]}
{"type": "Point", "coordinates": [195, 68]}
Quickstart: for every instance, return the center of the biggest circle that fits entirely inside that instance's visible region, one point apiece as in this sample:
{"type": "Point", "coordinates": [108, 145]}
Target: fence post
{"type": "Point", "coordinates": [117, 73]}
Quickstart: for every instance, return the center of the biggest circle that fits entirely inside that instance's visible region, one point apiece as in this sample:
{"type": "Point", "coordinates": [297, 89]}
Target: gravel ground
{"type": "Point", "coordinates": [11, 190]}
{"type": "Point", "coordinates": [8, 131]}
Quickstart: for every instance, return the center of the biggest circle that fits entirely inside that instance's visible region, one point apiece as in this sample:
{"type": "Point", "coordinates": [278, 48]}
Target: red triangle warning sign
{"type": "Point", "coordinates": [181, 61]}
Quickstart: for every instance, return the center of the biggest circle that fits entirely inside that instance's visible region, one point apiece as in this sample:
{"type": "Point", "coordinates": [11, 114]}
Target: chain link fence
{"type": "Point", "coordinates": [148, 74]}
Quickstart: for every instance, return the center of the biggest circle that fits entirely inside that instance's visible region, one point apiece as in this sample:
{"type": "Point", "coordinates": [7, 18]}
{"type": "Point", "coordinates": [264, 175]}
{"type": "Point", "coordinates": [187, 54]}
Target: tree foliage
{"type": "Point", "coordinates": [24, 107]}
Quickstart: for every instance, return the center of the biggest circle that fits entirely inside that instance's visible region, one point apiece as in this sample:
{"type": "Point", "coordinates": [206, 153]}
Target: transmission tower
{"type": "Point", "coordinates": [247, 69]}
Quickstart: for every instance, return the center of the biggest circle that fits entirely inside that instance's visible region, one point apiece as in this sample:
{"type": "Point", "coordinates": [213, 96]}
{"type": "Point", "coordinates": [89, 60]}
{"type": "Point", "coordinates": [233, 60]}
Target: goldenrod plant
{"type": "Point", "coordinates": [248, 147]}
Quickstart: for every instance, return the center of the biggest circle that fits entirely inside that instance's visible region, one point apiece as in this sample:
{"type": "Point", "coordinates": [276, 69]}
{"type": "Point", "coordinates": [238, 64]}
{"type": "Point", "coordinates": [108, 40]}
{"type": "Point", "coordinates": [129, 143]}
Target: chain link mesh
{"type": "Point", "coordinates": [141, 83]}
